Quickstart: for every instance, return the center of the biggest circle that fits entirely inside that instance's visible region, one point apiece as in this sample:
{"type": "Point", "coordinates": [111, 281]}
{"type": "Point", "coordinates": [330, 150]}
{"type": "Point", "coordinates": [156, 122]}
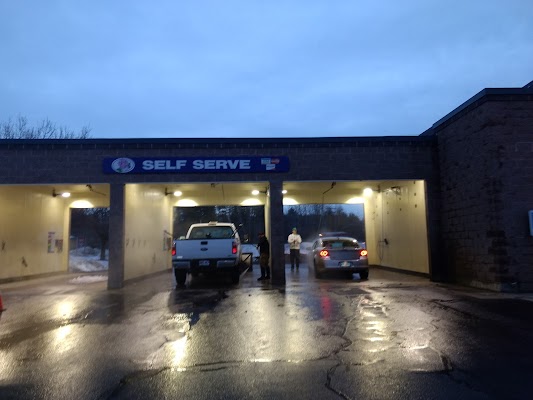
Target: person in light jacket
{"type": "Point", "coordinates": [294, 245]}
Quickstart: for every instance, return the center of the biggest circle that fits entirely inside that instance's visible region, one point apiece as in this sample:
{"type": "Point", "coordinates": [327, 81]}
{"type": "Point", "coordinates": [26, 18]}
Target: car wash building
{"type": "Point", "coordinates": [453, 204]}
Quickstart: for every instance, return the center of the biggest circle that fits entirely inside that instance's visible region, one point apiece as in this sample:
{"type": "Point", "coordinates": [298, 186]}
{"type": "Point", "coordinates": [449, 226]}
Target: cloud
{"type": "Point", "coordinates": [248, 69]}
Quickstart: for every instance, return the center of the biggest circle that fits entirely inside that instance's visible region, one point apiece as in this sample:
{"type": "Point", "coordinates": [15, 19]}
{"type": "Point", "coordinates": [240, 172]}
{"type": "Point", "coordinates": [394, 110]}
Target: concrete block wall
{"type": "Point", "coordinates": [486, 164]}
{"type": "Point", "coordinates": [516, 154]}
{"type": "Point", "coordinates": [318, 159]}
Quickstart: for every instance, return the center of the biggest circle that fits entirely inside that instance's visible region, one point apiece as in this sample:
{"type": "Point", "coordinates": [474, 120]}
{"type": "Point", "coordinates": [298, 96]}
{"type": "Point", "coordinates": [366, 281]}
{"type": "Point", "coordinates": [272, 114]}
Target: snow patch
{"type": "Point", "coordinates": [87, 259]}
{"type": "Point", "coordinates": [88, 279]}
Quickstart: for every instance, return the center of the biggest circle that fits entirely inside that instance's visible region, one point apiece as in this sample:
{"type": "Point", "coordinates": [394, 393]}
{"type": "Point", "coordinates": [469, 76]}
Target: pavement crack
{"type": "Point", "coordinates": [329, 376]}
{"type": "Point", "coordinates": [134, 376]}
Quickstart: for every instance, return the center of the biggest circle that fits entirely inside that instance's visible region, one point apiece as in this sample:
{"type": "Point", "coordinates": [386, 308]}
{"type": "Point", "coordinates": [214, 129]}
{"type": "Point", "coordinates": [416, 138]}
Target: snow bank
{"type": "Point", "coordinates": [87, 259]}
{"type": "Point", "coordinates": [88, 279]}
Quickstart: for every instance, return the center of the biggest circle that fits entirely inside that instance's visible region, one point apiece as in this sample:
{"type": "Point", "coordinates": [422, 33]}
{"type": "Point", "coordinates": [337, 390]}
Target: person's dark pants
{"type": "Point", "coordinates": [295, 258]}
{"type": "Point", "coordinates": [263, 263]}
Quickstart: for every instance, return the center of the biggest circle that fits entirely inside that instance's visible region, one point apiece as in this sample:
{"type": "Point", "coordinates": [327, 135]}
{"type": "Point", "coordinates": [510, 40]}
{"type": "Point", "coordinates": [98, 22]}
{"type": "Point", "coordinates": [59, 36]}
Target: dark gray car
{"type": "Point", "coordinates": [339, 254]}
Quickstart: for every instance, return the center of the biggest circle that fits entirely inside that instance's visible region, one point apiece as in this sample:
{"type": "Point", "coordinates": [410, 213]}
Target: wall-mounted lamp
{"type": "Point", "coordinates": [176, 193]}
{"type": "Point", "coordinates": [256, 192]}
{"type": "Point", "coordinates": [64, 194]}
{"type": "Point", "coordinates": [367, 192]}
{"type": "Point", "coordinates": [284, 191]}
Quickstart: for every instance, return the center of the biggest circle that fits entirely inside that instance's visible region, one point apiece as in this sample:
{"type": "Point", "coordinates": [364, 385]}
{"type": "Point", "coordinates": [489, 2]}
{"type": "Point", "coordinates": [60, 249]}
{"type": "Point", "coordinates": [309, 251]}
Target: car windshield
{"type": "Point", "coordinates": [341, 244]}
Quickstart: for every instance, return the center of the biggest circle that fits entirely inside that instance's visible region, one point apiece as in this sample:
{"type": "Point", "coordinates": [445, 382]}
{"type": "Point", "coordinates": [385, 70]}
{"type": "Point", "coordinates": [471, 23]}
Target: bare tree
{"type": "Point", "coordinates": [21, 129]}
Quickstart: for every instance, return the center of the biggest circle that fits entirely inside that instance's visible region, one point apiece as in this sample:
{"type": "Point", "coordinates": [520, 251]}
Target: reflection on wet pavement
{"type": "Point", "coordinates": [149, 331]}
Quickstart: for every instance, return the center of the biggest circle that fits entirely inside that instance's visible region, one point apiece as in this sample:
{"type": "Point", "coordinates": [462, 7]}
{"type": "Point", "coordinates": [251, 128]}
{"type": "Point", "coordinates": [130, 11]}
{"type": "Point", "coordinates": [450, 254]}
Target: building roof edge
{"type": "Point", "coordinates": [481, 97]}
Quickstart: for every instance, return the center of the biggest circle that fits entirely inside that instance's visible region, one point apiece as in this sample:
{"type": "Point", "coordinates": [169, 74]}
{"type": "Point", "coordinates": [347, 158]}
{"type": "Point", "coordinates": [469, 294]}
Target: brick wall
{"type": "Point", "coordinates": [80, 161]}
{"type": "Point", "coordinates": [486, 164]}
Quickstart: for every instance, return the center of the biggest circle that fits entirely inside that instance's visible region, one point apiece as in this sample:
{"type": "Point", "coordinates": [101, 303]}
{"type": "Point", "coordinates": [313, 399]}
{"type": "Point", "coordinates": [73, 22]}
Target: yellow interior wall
{"type": "Point", "coordinates": [148, 218]}
{"type": "Point", "coordinates": [398, 215]}
{"type": "Point", "coordinates": [26, 217]}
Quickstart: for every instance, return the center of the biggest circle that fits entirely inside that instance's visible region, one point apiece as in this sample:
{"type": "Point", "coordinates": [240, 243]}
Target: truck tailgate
{"type": "Point", "coordinates": [197, 249]}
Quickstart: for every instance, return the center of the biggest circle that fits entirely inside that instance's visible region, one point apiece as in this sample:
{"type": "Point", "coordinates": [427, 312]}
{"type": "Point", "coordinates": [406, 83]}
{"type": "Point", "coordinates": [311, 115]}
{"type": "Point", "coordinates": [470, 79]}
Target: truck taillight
{"type": "Point", "coordinates": [234, 248]}
{"type": "Point", "coordinates": [174, 249]}
{"type": "Point", "coordinates": [363, 253]}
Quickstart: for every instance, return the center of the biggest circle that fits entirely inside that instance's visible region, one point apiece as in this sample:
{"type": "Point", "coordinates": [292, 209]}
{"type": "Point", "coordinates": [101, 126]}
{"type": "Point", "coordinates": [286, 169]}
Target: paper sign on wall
{"type": "Point", "coordinates": [51, 236]}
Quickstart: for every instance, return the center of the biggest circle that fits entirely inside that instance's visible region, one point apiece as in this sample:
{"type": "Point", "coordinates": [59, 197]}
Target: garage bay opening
{"type": "Point", "coordinates": [89, 239]}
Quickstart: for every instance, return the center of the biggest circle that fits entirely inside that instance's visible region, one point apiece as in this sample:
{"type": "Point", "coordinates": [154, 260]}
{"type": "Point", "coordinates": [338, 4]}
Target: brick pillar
{"type": "Point", "coordinates": [277, 239]}
{"type": "Point", "coordinates": [115, 278]}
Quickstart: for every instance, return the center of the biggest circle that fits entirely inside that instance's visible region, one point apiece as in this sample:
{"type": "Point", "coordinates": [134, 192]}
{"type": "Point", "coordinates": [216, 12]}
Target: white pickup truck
{"type": "Point", "coordinates": [211, 247]}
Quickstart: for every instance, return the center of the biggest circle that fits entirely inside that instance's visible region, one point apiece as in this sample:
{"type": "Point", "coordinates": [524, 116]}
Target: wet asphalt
{"type": "Point", "coordinates": [394, 336]}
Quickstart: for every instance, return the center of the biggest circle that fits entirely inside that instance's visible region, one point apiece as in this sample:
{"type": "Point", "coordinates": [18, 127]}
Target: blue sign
{"type": "Point", "coordinates": [180, 165]}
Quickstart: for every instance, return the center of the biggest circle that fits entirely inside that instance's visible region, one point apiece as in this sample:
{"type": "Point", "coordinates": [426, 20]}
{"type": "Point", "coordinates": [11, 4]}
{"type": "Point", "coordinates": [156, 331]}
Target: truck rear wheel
{"type": "Point", "coordinates": [181, 277]}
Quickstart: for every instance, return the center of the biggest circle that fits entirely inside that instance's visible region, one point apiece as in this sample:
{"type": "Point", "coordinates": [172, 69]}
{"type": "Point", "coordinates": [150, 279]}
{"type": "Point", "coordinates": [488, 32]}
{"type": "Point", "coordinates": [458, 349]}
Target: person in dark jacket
{"type": "Point", "coordinates": [264, 256]}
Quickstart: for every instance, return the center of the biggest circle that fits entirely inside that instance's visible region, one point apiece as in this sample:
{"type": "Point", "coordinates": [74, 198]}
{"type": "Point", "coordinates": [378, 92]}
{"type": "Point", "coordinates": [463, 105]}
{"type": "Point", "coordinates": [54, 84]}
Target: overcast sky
{"type": "Point", "coordinates": [292, 68]}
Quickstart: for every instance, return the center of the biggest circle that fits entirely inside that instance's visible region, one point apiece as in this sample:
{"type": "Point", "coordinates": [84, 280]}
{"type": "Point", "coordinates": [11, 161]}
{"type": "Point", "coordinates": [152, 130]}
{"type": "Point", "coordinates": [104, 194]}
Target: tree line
{"type": "Point", "coordinates": [310, 220]}
{"type": "Point", "coordinates": [92, 224]}
{"type": "Point", "coordinates": [252, 219]}
{"type": "Point", "coordinates": [20, 128]}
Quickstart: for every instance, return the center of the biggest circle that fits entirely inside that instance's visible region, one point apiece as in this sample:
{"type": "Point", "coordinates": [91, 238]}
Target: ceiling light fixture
{"type": "Point", "coordinates": [256, 192]}
{"type": "Point", "coordinates": [176, 193]}
{"type": "Point", "coordinates": [64, 194]}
